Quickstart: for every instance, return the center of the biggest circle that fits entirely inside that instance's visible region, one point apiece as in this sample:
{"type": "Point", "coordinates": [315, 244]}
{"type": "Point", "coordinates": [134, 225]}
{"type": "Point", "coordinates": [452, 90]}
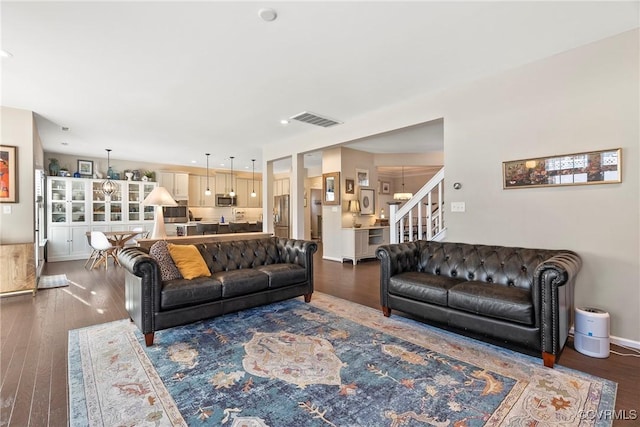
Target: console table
{"type": "Point", "coordinates": [361, 243]}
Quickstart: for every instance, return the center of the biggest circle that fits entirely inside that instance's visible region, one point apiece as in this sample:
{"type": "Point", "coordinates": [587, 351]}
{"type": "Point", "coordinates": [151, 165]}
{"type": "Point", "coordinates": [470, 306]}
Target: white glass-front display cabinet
{"type": "Point", "coordinates": [67, 202]}
{"type": "Point", "coordinates": [106, 209]}
{"type": "Point", "coordinates": [136, 193]}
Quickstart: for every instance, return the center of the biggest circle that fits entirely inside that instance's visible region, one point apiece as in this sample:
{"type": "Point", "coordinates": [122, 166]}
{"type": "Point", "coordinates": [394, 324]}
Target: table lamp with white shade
{"type": "Point", "coordinates": [159, 197]}
{"type": "Point", "coordinates": [354, 208]}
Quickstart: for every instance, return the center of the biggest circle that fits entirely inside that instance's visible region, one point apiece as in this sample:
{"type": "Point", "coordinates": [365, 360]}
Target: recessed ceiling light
{"type": "Point", "coordinates": [194, 161]}
{"type": "Point", "coordinates": [221, 164]}
{"type": "Point", "coordinates": [268, 14]}
{"type": "Point", "coordinates": [5, 54]}
{"type": "Point", "coordinates": [284, 122]}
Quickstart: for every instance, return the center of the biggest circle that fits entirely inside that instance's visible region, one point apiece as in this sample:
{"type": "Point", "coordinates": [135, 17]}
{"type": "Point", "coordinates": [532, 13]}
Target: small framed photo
{"type": "Point", "coordinates": [367, 201]}
{"type": "Point", "coordinates": [350, 186]}
{"type": "Point", "coordinates": [85, 168]}
{"type": "Point", "coordinates": [362, 176]}
{"type": "Point", "coordinates": [8, 174]}
{"type": "Point", "coordinates": [386, 187]}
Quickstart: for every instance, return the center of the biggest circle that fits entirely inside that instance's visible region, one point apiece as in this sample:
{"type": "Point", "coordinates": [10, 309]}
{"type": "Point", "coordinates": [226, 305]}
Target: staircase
{"type": "Point", "coordinates": [422, 216]}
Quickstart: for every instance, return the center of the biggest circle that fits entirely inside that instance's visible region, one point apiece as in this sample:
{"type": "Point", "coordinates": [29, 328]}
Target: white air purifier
{"type": "Point", "coordinates": [592, 332]}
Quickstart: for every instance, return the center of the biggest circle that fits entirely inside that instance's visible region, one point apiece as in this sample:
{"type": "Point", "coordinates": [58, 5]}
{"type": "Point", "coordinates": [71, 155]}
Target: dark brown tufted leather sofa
{"type": "Point", "coordinates": [518, 296]}
{"type": "Point", "coordinates": [244, 274]}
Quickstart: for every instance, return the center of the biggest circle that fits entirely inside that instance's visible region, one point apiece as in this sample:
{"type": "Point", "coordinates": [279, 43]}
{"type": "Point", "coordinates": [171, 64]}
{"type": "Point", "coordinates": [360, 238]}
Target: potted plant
{"type": "Point", "coordinates": [149, 175]}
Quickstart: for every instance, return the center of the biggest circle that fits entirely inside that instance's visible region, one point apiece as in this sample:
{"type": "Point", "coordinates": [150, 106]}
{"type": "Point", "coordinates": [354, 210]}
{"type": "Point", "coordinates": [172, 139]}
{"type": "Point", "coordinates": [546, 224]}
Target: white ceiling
{"type": "Point", "coordinates": [165, 82]}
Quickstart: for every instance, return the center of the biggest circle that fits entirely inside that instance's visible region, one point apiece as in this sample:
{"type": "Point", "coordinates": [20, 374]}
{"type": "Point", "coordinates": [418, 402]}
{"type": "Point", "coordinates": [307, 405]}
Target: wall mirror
{"type": "Point", "coordinates": [331, 188]}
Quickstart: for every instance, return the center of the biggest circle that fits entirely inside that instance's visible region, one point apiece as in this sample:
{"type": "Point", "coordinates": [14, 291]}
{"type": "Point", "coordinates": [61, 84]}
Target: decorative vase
{"type": "Point", "coordinates": [129, 175]}
{"type": "Point", "coordinates": [54, 167]}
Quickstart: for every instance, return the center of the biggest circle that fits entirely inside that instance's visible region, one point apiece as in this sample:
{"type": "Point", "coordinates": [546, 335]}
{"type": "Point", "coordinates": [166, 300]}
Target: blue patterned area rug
{"type": "Point", "coordinates": [328, 363]}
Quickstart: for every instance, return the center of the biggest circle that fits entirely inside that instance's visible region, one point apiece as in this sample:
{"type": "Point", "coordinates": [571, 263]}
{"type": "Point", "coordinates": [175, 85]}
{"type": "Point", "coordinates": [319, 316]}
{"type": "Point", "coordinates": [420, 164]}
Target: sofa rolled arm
{"type": "Point", "coordinates": [293, 251]}
{"type": "Point", "coordinates": [554, 289]}
{"type": "Point", "coordinates": [134, 259]}
{"type": "Point", "coordinates": [395, 259]}
{"type": "Point", "coordinates": [143, 286]}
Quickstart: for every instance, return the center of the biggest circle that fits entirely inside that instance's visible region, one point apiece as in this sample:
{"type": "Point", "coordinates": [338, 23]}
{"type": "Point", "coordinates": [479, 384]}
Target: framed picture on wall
{"type": "Point", "coordinates": [349, 186]}
{"type": "Point", "coordinates": [331, 188]}
{"type": "Point", "coordinates": [386, 187]}
{"type": "Point", "coordinates": [367, 201]}
{"type": "Point", "coordinates": [8, 174]}
{"type": "Point", "coordinates": [362, 176]}
{"type": "Point", "coordinates": [591, 167]}
{"type": "Point", "coordinates": [85, 168]}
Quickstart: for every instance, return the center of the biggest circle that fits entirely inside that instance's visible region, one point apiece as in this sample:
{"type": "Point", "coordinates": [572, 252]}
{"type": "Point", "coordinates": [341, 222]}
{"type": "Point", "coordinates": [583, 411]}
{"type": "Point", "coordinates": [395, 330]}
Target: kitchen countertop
{"type": "Point", "coordinates": [194, 223]}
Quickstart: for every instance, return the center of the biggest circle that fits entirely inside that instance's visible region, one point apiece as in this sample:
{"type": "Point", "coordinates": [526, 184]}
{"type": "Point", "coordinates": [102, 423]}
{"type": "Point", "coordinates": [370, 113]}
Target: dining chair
{"type": "Point", "coordinates": [103, 249]}
{"type": "Point", "coordinates": [141, 234]}
{"type": "Point", "coordinates": [238, 227]}
{"type": "Point", "coordinates": [93, 251]}
{"type": "Point", "coordinates": [206, 228]}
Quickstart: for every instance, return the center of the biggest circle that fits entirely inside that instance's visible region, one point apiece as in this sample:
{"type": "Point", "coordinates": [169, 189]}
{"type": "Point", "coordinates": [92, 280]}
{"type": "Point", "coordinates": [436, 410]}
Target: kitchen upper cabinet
{"type": "Point", "coordinates": [281, 187]}
{"type": "Point", "coordinates": [254, 202]}
{"type": "Point", "coordinates": [176, 183]}
{"type": "Point", "coordinates": [197, 187]}
{"type": "Point", "coordinates": [244, 188]}
{"type": "Point", "coordinates": [225, 182]}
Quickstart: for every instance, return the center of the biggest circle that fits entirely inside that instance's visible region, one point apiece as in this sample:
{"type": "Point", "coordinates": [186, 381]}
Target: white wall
{"type": "Point", "coordinates": [584, 99]}
{"type": "Point", "coordinates": [17, 226]}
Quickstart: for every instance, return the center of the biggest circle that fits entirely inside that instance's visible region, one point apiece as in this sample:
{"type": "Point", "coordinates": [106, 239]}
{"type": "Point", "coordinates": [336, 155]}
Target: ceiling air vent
{"type": "Point", "coordinates": [315, 119]}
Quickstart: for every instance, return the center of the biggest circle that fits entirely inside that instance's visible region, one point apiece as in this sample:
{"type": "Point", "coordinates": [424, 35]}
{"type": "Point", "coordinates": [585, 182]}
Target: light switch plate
{"type": "Point", "coordinates": [458, 207]}
{"type": "Point", "coordinates": [6, 209]}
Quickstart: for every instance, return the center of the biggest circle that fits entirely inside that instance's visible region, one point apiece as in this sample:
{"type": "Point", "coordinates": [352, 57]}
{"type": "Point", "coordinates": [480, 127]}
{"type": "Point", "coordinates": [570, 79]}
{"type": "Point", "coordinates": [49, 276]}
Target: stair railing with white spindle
{"type": "Point", "coordinates": [422, 216]}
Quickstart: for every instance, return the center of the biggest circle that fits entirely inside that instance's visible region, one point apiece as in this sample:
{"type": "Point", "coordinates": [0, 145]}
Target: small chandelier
{"type": "Point", "coordinates": [253, 178]}
{"type": "Point", "coordinates": [232, 193]}
{"type": "Point", "coordinates": [109, 187]}
{"type": "Point", "coordinates": [207, 192]}
{"type": "Point", "coordinates": [402, 195]}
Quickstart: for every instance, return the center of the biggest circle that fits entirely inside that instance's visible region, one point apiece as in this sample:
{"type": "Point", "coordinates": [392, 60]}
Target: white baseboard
{"type": "Point", "coordinates": [624, 342]}
{"type": "Point", "coordinates": [329, 258]}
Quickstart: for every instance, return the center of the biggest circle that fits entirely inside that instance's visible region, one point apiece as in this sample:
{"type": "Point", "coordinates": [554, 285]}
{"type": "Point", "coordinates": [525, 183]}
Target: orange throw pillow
{"type": "Point", "coordinates": [189, 261]}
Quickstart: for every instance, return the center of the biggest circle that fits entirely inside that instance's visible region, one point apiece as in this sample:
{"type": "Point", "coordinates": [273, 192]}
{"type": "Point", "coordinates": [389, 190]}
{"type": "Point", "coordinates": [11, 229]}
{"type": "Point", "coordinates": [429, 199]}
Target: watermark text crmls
{"type": "Point", "coordinates": [609, 414]}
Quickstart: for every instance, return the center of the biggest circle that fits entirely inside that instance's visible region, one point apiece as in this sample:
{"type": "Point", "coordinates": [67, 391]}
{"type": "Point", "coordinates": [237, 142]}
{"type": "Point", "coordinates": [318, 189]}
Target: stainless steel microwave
{"type": "Point", "coordinates": [225, 200]}
{"type": "Point", "coordinates": [178, 213]}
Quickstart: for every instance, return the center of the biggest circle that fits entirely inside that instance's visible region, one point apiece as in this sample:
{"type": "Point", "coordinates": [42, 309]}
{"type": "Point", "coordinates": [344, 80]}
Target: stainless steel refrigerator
{"type": "Point", "coordinates": [281, 216]}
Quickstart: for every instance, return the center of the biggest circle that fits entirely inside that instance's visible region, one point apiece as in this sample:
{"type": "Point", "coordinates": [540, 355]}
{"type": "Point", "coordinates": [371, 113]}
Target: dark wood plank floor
{"type": "Point", "coordinates": [33, 337]}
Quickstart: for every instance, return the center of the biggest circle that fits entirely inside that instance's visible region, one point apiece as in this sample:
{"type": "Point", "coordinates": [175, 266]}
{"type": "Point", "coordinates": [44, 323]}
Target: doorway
{"type": "Point", "coordinates": [316, 214]}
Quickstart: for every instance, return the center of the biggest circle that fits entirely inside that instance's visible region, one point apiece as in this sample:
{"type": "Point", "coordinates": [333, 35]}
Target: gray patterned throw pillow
{"type": "Point", "coordinates": [168, 270]}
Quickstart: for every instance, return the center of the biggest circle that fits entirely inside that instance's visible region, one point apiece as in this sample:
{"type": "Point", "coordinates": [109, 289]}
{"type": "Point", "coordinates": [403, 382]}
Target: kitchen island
{"type": "Point", "coordinates": [189, 228]}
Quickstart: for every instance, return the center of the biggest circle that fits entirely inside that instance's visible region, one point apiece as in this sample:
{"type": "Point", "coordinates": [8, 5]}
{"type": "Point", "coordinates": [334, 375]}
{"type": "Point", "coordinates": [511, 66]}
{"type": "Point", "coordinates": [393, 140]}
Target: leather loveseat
{"type": "Point", "coordinates": [519, 297]}
{"type": "Point", "coordinates": [244, 274]}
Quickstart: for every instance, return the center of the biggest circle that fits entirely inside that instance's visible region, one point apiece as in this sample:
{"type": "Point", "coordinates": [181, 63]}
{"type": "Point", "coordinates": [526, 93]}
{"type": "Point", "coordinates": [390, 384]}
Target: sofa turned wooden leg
{"type": "Point", "coordinates": [307, 297]}
{"type": "Point", "coordinates": [386, 311]}
{"type": "Point", "coordinates": [148, 339]}
{"type": "Point", "coordinates": [548, 359]}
